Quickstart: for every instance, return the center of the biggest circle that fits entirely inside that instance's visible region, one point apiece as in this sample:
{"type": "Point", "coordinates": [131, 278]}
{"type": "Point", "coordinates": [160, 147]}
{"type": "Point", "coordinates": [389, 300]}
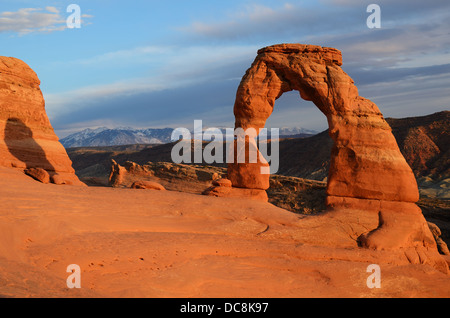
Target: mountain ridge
{"type": "Point", "coordinates": [120, 136]}
{"type": "Point", "coordinates": [104, 136]}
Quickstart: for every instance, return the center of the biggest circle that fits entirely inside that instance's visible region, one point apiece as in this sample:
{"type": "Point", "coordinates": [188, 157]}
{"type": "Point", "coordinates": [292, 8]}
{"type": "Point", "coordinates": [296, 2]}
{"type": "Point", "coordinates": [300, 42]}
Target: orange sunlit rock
{"type": "Point", "coordinates": [27, 139]}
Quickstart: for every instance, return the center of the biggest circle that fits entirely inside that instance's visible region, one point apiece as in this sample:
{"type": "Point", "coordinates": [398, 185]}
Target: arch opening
{"type": "Point", "coordinates": [292, 111]}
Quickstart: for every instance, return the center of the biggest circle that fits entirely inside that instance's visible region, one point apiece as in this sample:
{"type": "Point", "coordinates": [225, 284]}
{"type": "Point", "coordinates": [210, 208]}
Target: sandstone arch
{"type": "Point", "coordinates": [362, 138]}
{"type": "Point", "coordinates": [367, 170]}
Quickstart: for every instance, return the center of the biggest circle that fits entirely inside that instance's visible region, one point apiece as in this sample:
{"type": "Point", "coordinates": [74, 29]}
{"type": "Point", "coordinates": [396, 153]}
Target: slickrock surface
{"type": "Point", "coordinates": [27, 139]}
{"type": "Point", "coordinates": [293, 194]}
{"type": "Point", "coordinates": [132, 243]}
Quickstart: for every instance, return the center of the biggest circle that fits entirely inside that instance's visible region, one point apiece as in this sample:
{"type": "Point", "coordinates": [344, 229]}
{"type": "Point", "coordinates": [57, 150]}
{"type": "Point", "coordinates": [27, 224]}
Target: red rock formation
{"type": "Point", "coordinates": [366, 161]}
{"type": "Point", "coordinates": [223, 188]}
{"type": "Point", "coordinates": [38, 174]}
{"type": "Point", "coordinates": [367, 169]}
{"type": "Point", "coordinates": [223, 182]}
{"type": "Point", "coordinates": [27, 139]}
{"type": "Point", "coordinates": [147, 185]}
{"type": "Point", "coordinates": [174, 177]}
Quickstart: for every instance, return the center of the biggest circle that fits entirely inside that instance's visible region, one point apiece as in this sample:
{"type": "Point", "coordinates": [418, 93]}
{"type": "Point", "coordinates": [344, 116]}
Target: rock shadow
{"type": "Point", "coordinates": [21, 144]}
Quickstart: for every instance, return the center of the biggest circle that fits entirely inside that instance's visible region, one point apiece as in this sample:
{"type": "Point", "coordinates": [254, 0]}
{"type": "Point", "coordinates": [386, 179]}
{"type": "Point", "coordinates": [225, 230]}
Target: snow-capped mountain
{"type": "Point", "coordinates": [129, 136]}
{"type": "Point", "coordinates": [291, 131]}
{"type": "Point", "coordinates": [118, 136]}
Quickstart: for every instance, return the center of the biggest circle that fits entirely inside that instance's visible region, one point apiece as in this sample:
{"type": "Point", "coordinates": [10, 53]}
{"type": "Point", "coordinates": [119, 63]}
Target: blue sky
{"type": "Point", "coordinates": [165, 63]}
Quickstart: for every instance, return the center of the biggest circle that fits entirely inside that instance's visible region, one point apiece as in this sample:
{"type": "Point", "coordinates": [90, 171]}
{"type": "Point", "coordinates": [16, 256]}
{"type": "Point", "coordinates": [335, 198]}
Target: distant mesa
{"type": "Point", "coordinates": [27, 139]}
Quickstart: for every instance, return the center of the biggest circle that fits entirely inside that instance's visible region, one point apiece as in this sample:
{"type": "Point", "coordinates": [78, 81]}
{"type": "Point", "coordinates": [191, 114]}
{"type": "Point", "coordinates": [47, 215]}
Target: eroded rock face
{"type": "Point", "coordinates": [367, 170]}
{"type": "Point", "coordinates": [38, 174]}
{"type": "Point", "coordinates": [436, 231]}
{"type": "Point", "coordinates": [27, 139]}
{"type": "Point", "coordinates": [173, 177]}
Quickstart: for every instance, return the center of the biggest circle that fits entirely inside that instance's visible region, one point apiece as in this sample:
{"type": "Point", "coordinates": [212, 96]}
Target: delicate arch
{"type": "Point", "coordinates": [366, 162]}
{"type": "Point", "coordinates": [367, 173]}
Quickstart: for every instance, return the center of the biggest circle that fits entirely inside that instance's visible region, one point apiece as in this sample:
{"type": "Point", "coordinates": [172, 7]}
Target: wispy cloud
{"type": "Point", "coordinates": [255, 23]}
{"type": "Point", "coordinates": [410, 29]}
{"type": "Point", "coordinates": [178, 69]}
{"type": "Point", "coordinates": [403, 67]}
{"type": "Point", "coordinates": [29, 20]}
{"type": "Point", "coordinates": [137, 54]}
